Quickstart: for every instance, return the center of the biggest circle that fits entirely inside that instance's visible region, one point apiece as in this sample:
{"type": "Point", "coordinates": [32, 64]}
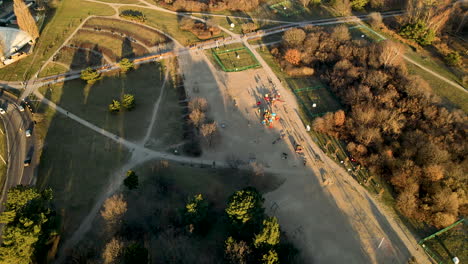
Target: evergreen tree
{"type": "Point", "coordinates": [128, 101]}
{"type": "Point", "coordinates": [125, 65]}
{"type": "Point", "coordinates": [245, 206]}
{"type": "Point", "coordinates": [196, 210]}
{"type": "Point", "coordinates": [270, 234]}
{"type": "Point", "coordinates": [114, 106]}
{"type": "Point", "coordinates": [132, 180]}
{"type": "Point", "coordinates": [90, 75]}
{"type": "Point", "coordinates": [27, 223]}
{"type": "Point", "coordinates": [270, 258]}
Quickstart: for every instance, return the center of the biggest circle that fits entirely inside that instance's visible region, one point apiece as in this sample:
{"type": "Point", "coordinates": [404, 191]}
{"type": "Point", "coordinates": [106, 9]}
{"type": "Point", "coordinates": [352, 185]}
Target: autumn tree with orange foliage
{"type": "Point", "coordinates": [392, 122]}
{"type": "Point", "coordinates": [293, 56]}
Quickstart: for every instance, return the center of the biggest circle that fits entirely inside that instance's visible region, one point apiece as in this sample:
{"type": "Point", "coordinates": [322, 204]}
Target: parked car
{"type": "Point", "coordinates": [28, 133]}
{"type": "Point", "coordinates": [2, 111]}
{"type": "Point", "coordinates": [21, 108]}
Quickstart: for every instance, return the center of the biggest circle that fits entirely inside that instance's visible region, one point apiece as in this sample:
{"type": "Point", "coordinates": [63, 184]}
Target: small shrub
{"type": "Point", "coordinates": [249, 27]}
{"type": "Point", "coordinates": [114, 107]}
{"type": "Point", "coordinates": [134, 15]}
{"type": "Point", "coordinates": [453, 58]}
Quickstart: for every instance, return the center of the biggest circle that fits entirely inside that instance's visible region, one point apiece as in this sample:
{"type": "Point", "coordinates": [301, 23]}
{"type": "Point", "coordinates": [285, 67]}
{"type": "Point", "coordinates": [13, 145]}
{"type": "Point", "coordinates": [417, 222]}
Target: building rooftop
{"type": "Point", "coordinates": [13, 39]}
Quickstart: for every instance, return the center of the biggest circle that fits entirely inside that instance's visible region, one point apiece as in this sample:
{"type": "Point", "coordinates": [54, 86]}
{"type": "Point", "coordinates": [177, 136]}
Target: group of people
{"type": "Point", "coordinates": [269, 117]}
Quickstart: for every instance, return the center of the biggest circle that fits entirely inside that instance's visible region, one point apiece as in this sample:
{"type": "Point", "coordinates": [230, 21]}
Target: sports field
{"type": "Point", "coordinates": [233, 59]}
{"type": "Point", "coordinates": [443, 246]}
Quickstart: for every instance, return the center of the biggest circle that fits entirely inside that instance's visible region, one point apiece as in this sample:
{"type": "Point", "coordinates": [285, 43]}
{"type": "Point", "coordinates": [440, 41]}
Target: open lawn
{"type": "Point", "coordinates": [122, 1]}
{"type": "Point", "coordinates": [166, 22]}
{"type": "Point", "coordinates": [449, 244]}
{"type": "Point", "coordinates": [90, 102]}
{"type": "Point", "coordinates": [76, 163]}
{"type": "Point", "coordinates": [79, 58]}
{"type": "Point", "coordinates": [168, 132]}
{"type": "Point", "coordinates": [233, 58]}
{"type": "Point", "coordinates": [61, 22]}
{"type": "Point", "coordinates": [141, 33]}
{"type": "Point", "coordinates": [113, 46]}
{"type": "Point", "coordinates": [52, 69]}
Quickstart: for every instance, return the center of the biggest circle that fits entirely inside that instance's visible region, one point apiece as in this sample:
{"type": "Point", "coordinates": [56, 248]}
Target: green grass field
{"type": "Point", "coordinates": [166, 22]}
{"type": "Point", "coordinates": [112, 43]}
{"type": "Point", "coordinates": [52, 69]}
{"type": "Point", "coordinates": [90, 102]}
{"type": "Point", "coordinates": [138, 32]}
{"type": "Point", "coordinates": [452, 243]}
{"type": "Point", "coordinates": [65, 18]}
{"type": "Point", "coordinates": [77, 164]}
{"type": "Point", "coordinates": [235, 58]}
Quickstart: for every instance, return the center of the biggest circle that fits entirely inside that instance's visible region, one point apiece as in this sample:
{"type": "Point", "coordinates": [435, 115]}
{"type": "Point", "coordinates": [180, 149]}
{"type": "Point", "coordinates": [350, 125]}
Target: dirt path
{"type": "Point", "coordinates": [155, 111]}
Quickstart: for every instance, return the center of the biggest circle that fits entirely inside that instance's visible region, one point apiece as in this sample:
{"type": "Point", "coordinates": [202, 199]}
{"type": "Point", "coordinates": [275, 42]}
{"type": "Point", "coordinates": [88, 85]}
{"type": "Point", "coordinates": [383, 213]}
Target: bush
{"type": "Point", "coordinates": [114, 106]}
{"type": "Point", "coordinates": [134, 15]}
{"type": "Point", "coordinates": [453, 58]}
{"type": "Point", "coordinates": [418, 32]}
{"type": "Point", "coordinates": [128, 101]}
{"type": "Point", "coordinates": [90, 76]}
{"type": "Point", "coordinates": [249, 27]}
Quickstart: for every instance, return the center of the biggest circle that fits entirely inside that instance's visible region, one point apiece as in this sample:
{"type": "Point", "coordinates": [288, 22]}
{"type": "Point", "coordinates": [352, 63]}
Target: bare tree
{"type": "Point", "coordinates": [207, 131]}
{"type": "Point", "coordinates": [187, 23]}
{"type": "Point", "coordinates": [376, 20]}
{"type": "Point", "coordinates": [197, 117]}
{"type": "Point", "coordinates": [341, 33]}
{"type": "Point", "coordinates": [112, 251]}
{"type": "Point", "coordinates": [305, 3]}
{"type": "Point", "coordinates": [113, 209]}
{"type": "Point", "coordinates": [198, 103]}
{"type": "Point", "coordinates": [25, 20]}
{"type": "Point", "coordinates": [391, 53]}
{"type": "Point", "coordinates": [294, 36]}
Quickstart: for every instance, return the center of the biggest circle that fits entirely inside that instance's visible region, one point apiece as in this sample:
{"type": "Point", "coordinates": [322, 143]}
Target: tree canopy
{"type": "Point", "coordinates": [270, 234]}
{"type": "Point", "coordinates": [125, 65]}
{"type": "Point", "coordinates": [27, 222]}
{"type": "Point", "coordinates": [131, 181]}
{"type": "Point", "coordinates": [90, 76]}
{"type": "Point", "coordinates": [245, 206]}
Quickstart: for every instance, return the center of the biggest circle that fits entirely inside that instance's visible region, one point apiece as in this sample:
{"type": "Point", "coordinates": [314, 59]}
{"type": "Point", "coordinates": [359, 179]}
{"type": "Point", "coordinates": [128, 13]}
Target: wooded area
{"type": "Point", "coordinates": [392, 122]}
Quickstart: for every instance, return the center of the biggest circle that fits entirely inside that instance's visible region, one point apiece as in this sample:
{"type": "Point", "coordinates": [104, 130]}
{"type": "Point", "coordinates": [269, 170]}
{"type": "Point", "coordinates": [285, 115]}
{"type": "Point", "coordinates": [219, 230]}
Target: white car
{"type": "Point", "coordinates": [28, 133]}
{"type": "Point", "coordinates": [2, 111]}
{"type": "Point", "coordinates": [21, 108]}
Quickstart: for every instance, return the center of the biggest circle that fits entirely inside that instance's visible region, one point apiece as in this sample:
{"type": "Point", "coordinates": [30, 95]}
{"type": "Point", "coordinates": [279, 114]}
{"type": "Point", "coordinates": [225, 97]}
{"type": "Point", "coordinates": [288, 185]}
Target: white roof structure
{"type": "Point", "coordinates": [13, 40]}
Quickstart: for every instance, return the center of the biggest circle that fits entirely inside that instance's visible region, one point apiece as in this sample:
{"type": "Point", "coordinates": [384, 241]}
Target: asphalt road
{"type": "Point", "coordinates": [19, 146]}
